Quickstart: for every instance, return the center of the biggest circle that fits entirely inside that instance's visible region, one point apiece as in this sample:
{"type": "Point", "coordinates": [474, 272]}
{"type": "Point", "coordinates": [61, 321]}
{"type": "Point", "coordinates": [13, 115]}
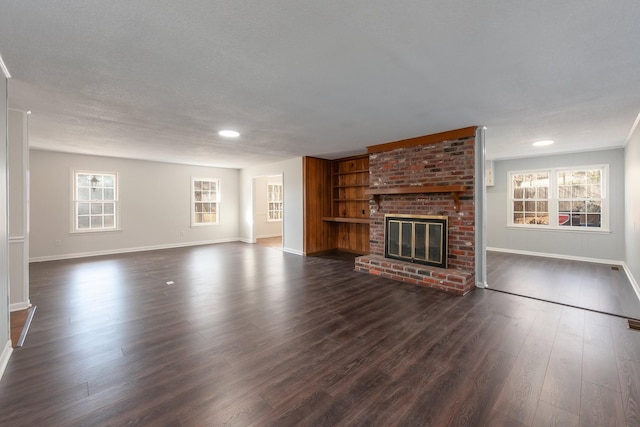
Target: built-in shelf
{"type": "Point", "coordinates": [455, 191]}
{"type": "Point", "coordinates": [351, 171]}
{"type": "Point", "coordinates": [345, 219]}
{"type": "Point", "coordinates": [351, 200]}
{"type": "Point", "coordinates": [351, 185]}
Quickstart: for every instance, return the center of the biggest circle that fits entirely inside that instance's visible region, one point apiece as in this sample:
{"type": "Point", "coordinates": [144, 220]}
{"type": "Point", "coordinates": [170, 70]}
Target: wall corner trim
{"type": "Point", "coordinates": [4, 68]}
{"type": "Point", "coordinates": [4, 357]}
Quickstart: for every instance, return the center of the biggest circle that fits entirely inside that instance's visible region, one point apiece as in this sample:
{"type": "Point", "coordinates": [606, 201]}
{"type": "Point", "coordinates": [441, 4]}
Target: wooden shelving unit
{"type": "Point", "coordinates": [350, 204]}
{"type": "Point", "coordinates": [346, 220]}
{"type": "Point", "coordinates": [349, 181]}
{"type": "Point", "coordinates": [336, 206]}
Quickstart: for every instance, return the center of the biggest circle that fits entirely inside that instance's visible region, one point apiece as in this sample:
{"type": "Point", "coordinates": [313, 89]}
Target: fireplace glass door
{"type": "Point", "coordinates": [417, 239]}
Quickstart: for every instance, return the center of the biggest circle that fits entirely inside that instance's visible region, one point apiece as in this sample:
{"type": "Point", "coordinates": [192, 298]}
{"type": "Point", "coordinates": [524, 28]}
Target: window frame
{"type": "Point", "coordinates": [280, 201]}
{"type": "Point", "coordinates": [554, 200]}
{"type": "Point", "coordinates": [75, 201]}
{"type": "Point", "coordinates": [195, 224]}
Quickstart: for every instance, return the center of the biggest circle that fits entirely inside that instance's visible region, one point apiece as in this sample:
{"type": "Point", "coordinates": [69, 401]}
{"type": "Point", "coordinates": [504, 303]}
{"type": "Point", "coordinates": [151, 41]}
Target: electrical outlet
{"type": "Point", "coordinates": [57, 243]}
{"type": "Point", "coordinates": [182, 234]}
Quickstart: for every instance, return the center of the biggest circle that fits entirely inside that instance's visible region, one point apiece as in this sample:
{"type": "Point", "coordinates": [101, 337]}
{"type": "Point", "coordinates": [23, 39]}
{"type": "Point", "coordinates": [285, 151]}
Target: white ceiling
{"type": "Point", "coordinates": [157, 79]}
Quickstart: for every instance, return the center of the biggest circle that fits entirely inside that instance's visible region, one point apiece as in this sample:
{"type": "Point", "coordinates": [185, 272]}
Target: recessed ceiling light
{"type": "Point", "coordinates": [229, 133]}
{"type": "Point", "coordinates": [542, 143]}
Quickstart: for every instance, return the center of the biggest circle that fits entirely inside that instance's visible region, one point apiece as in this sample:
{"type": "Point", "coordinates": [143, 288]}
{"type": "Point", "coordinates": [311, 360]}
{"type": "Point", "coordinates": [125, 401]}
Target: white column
{"type": "Point", "coordinates": [481, 210]}
{"type": "Point", "coordinates": [18, 154]}
{"type": "Point", "coordinates": [5, 339]}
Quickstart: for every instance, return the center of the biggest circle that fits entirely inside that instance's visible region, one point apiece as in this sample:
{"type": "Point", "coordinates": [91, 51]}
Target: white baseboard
{"type": "Point", "coordinates": [4, 357]}
{"type": "Point", "coordinates": [17, 306]}
{"type": "Point", "coordinates": [632, 279]}
{"type": "Point", "coordinates": [557, 256]}
{"type": "Point", "coordinates": [292, 251]}
{"type": "Point", "coordinates": [127, 250]}
{"type": "Point", "coordinates": [244, 240]}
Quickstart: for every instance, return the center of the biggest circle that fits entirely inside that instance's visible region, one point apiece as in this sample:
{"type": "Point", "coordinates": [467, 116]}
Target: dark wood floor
{"type": "Point", "coordinates": [581, 284]}
{"type": "Point", "coordinates": [246, 335]}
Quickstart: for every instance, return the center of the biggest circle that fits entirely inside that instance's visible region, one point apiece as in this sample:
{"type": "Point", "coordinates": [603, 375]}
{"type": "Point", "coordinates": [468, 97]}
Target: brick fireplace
{"type": "Point", "coordinates": [426, 176]}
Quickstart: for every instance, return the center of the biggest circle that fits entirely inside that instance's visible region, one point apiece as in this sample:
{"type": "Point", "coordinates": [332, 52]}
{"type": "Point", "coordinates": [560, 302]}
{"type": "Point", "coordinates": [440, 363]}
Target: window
{"type": "Point", "coordinates": [567, 198]}
{"type": "Point", "coordinates": [204, 203]}
{"type": "Point", "coordinates": [274, 202]}
{"type": "Point", "coordinates": [530, 198]}
{"type": "Point", "coordinates": [580, 198]}
{"type": "Point", "coordinates": [95, 201]}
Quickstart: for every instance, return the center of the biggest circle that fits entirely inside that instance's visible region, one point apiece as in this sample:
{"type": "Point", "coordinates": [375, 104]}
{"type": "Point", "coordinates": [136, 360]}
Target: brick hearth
{"type": "Point", "coordinates": [449, 280]}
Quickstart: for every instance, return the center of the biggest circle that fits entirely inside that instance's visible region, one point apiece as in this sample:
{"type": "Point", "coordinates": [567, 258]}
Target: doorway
{"type": "Point", "coordinates": [268, 210]}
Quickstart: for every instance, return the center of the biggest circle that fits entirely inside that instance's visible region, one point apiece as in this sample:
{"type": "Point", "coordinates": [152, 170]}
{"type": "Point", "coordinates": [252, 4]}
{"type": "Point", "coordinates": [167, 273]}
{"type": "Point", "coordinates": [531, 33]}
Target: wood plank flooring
{"type": "Point", "coordinates": [249, 336]}
{"type": "Point", "coordinates": [20, 321]}
{"type": "Point", "coordinates": [17, 322]}
{"type": "Point", "coordinates": [273, 242]}
{"type": "Point", "coordinates": [597, 287]}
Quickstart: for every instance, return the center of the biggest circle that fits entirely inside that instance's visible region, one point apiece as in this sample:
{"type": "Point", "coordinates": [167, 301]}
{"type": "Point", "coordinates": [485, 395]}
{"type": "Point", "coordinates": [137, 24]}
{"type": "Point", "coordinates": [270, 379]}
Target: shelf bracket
{"type": "Point", "coordinates": [456, 198]}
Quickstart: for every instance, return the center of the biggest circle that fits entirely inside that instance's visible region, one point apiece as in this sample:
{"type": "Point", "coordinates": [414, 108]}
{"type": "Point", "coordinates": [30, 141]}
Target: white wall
{"type": "Point", "coordinates": [291, 171]}
{"type": "Point", "coordinates": [154, 200]}
{"type": "Point", "coordinates": [5, 340]}
{"type": "Point", "coordinates": [18, 208]}
{"type": "Point", "coordinates": [567, 243]}
{"type": "Point", "coordinates": [262, 227]}
{"type": "Point", "coordinates": [632, 208]}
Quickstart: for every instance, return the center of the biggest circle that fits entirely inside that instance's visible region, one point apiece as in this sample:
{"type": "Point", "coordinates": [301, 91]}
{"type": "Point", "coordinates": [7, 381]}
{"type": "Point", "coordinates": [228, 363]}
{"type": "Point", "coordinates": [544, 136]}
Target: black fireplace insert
{"type": "Point", "coordinates": [421, 239]}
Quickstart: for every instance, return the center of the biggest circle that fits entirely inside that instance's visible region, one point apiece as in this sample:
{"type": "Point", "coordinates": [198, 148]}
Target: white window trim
{"type": "Point", "coordinates": [195, 224]}
{"type": "Point", "coordinates": [553, 200]}
{"type": "Point", "coordinates": [72, 216]}
{"type": "Point", "coordinates": [268, 201]}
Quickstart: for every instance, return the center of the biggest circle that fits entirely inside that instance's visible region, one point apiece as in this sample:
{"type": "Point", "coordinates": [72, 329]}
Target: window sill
{"type": "Point", "coordinates": [209, 224]}
{"type": "Point", "coordinates": [274, 220]}
{"type": "Point", "coordinates": [582, 230]}
{"type": "Point", "coordinates": [81, 232]}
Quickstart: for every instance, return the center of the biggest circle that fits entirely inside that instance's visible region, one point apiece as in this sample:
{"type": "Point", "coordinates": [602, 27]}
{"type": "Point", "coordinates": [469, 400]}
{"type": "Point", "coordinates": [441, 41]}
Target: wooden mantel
{"type": "Point", "coordinates": [455, 191]}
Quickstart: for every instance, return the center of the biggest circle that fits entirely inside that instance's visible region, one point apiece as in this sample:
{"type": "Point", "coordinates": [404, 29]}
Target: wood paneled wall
{"type": "Point", "coordinates": [319, 236]}
{"type": "Point", "coordinates": [353, 238]}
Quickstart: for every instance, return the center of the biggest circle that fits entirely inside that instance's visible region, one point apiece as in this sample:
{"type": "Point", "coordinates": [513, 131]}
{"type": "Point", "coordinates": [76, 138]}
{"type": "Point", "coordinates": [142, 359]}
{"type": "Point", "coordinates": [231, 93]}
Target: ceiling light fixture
{"type": "Point", "coordinates": [4, 68]}
{"type": "Point", "coordinates": [542, 143]}
{"type": "Point", "coordinates": [229, 133]}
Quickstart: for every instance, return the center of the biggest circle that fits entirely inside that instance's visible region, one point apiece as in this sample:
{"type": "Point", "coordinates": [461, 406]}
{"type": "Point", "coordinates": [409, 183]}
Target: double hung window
{"type": "Point", "coordinates": [205, 195]}
{"type": "Point", "coordinates": [274, 202]}
{"type": "Point", "coordinates": [562, 198]}
{"type": "Point", "coordinates": [95, 201]}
